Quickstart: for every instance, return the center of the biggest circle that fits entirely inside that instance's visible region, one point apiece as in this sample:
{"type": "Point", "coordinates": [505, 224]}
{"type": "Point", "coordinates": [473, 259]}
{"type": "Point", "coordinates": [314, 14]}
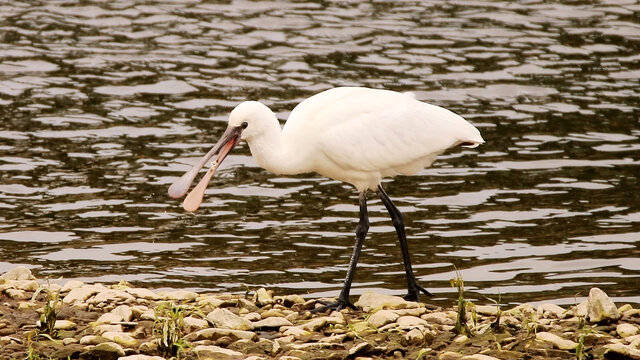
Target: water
{"type": "Point", "coordinates": [105, 104]}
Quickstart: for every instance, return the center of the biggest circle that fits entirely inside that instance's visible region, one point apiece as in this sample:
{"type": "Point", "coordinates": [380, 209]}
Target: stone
{"type": "Point", "coordinates": [108, 318]}
{"type": "Point", "coordinates": [626, 330]}
{"type": "Point", "coordinates": [382, 317]}
{"type": "Point", "coordinates": [271, 322]}
{"type": "Point", "coordinates": [26, 285]}
{"type": "Point", "coordinates": [92, 340]}
{"type": "Point", "coordinates": [551, 310]}
{"type": "Point", "coordinates": [450, 355]}
{"type": "Point", "coordinates": [192, 324]}
{"type": "Point", "coordinates": [557, 341]}
{"type": "Point", "coordinates": [600, 307]}
{"type": "Point", "coordinates": [582, 309]}
{"type": "Point", "coordinates": [141, 357]}
{"type": "Point", "coordinates": [479, 357]}
{"type": "Point", "coordinates": [215, 333]}
{"type": "Point", "coordinates": [360, 349]}
{"type": "Point", "coordinates": [216, 353]}
{"type": "Point", "coordinates": [440, 318]}
{"type": "Point", "coordinates": [17, 294]}
{"type": "Point", "coordinates": [621, 351]}
{"type": "Point", "coordinates": [110, 296]}
{"type": "Point", "coordinates": [297, 333]}
{"type": "Point", "coordinates": [17, 273]}
{"type": "Point", "coordinates": [64, 325]}
{"type": "Point", "coordinates": [411, 311]}
{"type": "Point", "coordinates": [253, 316]}
{"type": "Point", "coordinates": [414, 337]}
{"type": "Point", "coordinates": [179, 295]}
{"type": "Point", "coordinates": [407, 322]}
{"type": "Point", "coordinates": [80, 294]}
{"type": "Point", "coordinates": [70, 285]}
{"type": "Point", "coordinates": [370, 301]}
{"type": "Point", "coordinates": [334, 339]}
{"type": "Point", "coordinates": [140, 293]}
{"type": "Point", "coordinates": [487, 310]}
{"type": "Point", "coordinates": [263, 298]}
{"type": "Point", "coordinates": [121, 338]}
{"type": "Point", "coordinates": [314, 325]}
{"type": "Point", "coordinates": [124, 311]}
{"type": "Point", "coordinates": [225, 319]}
{"type": "Point", "coordinates": [107, 350]}
{"type": "Point", "coordinates": [99, 329]}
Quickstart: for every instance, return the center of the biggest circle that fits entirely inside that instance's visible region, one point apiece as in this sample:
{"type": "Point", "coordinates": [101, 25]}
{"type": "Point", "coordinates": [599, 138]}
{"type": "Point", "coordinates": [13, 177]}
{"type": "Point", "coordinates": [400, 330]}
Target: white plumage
{"type": "Point", "coordinates": [352, 134]}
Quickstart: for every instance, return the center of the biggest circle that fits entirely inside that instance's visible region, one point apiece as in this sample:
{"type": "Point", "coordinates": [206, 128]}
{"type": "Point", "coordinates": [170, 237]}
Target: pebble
{"type": "Point", "coordinates": [626, 330]}
{"type": "Point", "coordinates": [408, 322]}
{"type": "Point", "coordinates": [414, 337]}
{"type": "Point", "coordinates": [271, 322]}
{"type": "Point", "coordinates": [121, 338]}
{"type": "Point", "coordinates": [370, 301]}
{"type": "Point", "coordinates": [557, 341]}
{"type": "Point", "coordinates": [263, 298]}
{"type": "Point", "coordinates": [64, 325]}
{"type": "Point", "coordinates": [225, 319]}
{"type": "Point", "coordinates": [194, 324]}
{"type": "Point", "coordinates": [216, 353]}
{"type": "Point", "coordinates": [141, 357]}
{"type": "Point", "coordinates": [17, 273]}
{"type": "Point", "coordinates": [622, 351]}
{"type": "Point", "coordinates": [600, 308]}
{"type": "Point", "coordinates": [382, 317]}
{"type": "Point", "coordinates": [104, 349]}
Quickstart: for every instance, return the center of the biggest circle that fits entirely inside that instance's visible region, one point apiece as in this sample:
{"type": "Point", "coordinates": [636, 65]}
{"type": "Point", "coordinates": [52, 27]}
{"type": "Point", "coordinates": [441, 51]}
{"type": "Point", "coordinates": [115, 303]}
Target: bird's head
{"type": "Point", "coordinates": [246, 121]}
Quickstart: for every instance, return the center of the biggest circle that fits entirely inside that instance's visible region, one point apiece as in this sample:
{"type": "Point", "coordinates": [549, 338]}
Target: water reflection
{"type": "Point", "coordinates": [104, 105]}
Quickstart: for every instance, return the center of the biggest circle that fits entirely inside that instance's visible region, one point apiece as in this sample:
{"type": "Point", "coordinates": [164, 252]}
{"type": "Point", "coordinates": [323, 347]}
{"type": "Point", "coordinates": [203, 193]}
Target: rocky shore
{"type": "Point", "coordinates": [75, 320]}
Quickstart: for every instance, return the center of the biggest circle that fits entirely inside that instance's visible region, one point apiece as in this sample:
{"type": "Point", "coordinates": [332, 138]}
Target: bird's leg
{"type": "Point", "coordinates": [361, 233]}
{"type": "Point", "coordinates": [414, 289]}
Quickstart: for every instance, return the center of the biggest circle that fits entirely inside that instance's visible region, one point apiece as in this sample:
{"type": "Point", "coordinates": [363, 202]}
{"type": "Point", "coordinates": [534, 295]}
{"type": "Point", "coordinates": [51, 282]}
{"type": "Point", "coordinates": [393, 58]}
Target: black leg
{"type": "Point", "coordinates": [414, 289]}
{"type": "Point", "coordinates": [361, 233]}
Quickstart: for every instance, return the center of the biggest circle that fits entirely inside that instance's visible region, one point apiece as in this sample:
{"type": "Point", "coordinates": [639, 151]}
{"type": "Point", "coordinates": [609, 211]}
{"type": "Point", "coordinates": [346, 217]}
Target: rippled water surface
{"type": "Point", "coordinates": [104, 104]}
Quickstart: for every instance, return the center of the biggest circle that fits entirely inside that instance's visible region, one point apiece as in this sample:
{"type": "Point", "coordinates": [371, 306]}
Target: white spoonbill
{"type": "Point", "coordinates": [353, 134]}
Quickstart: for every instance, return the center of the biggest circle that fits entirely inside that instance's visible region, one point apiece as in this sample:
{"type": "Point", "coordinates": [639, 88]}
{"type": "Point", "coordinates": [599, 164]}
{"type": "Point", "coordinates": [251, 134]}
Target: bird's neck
{"type": "Point", "coordinates": [272, 152]}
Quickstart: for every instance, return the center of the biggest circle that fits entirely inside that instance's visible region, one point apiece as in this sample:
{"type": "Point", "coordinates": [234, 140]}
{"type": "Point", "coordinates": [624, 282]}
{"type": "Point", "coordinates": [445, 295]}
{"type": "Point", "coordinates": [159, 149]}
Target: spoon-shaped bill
{"type": "Point", "coordinates": [194, 199]}
{"type": "Point", "coordinates": [181, 186]}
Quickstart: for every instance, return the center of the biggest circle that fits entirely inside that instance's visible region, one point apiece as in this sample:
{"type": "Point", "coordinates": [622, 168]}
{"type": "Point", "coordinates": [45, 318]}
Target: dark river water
{"type": "Point", "coordinates": [105, 104]}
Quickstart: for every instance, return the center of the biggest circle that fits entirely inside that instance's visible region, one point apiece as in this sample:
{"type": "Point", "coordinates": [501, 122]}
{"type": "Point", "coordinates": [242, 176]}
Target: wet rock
{"type": "Point", "coordinates": [216, 353]}
{"type": "Point", "coordinates": [17, 273]}
{"type": "Point", "coordinates": [271, 322]}
{"type": "Point", "coordinates": [263, 298]}
{"type": "Point", "coordinates": [555, 340]}
{"type": "Point", "coordinates": [192, 324]}
{"type": "Point", "coordinates": [64, 325]}
{"type": "Point", "coordinates": [626, 330]}
{"type": "Point", "coordinates": [382, 317]}
{"type": "Point", "coordinates": [106, 351]}
{"type": "Point", "coordinates": [370, 301]}
{"type": "Point", "coordinates": [600, 307]}
{"type": "Point", "coordinates": [121, 338]}
{"type": "Point", "coordinates": [621, 351]}
{"type": "Point", "coordinates": [225, 319]}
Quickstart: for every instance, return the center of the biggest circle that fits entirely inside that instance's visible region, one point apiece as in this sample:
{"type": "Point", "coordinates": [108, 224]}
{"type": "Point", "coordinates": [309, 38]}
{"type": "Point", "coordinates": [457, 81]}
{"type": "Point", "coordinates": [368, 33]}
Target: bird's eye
{"type": "Point", "coordinates": [245, 124]}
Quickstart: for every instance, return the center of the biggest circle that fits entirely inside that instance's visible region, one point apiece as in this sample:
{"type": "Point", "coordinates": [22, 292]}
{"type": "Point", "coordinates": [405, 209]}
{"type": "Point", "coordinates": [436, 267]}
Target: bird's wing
{"type": "Point", "coordinates": [377, 130]}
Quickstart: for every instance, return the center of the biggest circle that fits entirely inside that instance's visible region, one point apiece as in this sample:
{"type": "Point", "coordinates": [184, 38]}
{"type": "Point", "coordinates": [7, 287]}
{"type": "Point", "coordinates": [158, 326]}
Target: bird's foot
{"type": "Point", "coordinates": [337, 305]}
{"type": "Point", "coordinates": [414, 290]}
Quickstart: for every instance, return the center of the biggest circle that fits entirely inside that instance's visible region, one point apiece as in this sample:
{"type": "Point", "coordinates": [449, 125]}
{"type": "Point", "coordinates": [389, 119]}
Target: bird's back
{"type": "Point", "coordinates": [374, 133]}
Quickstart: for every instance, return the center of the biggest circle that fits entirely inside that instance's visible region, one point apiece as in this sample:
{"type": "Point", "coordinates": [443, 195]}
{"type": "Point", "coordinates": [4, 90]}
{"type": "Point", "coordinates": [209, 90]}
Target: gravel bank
{"type": "Point", "coordinates": [96, 321]}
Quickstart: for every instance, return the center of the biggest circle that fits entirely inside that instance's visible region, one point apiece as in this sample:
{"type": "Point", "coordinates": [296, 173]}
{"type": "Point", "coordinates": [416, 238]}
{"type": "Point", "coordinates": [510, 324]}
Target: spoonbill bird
{"type": "Point", "coordinates": [353, 134]}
